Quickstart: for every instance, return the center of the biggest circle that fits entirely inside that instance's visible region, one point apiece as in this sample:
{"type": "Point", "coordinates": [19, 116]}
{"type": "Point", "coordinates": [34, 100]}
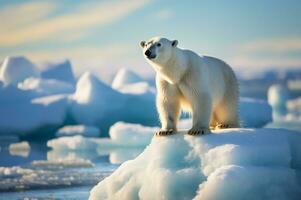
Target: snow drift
{"type": "Point", "coordinates": [228, 164]}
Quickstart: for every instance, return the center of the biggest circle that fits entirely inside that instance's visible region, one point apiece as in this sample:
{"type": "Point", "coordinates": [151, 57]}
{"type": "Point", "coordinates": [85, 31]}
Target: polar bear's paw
{"type": "Point", "coordinates": [165, 132]}
{"type": "Point", "coordinates": [196, 132]}
{"type": "Point", "coordinates": [222, 126]}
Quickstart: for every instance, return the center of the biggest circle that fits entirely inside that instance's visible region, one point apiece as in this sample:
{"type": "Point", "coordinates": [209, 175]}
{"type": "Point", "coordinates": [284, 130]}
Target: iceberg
{"type": "Point", "coordinates": [125, 77]}
{"type": "Point", "coordinates": [97, 104]}
{"type": "Point", "coordinates": [24, 115]}
{"type": "Point", "coordinates": [61, 71]}
{"type": "Point", "coordinates": [227, 164]}
{"type": "Point", "coordinates": [17, 69]}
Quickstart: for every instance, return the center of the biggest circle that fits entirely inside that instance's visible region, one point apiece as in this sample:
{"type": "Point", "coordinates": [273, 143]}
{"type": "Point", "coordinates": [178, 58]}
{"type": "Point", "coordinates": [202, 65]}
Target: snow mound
{"type": "Point", "coordinates": [45, 87]}
{"type": "Point", "coordinates": [17, 69]}
{"type": "Point", "coordinates": [254, 113]}
{"type": "Point", "coordinates": [87, 131]}
{"type": "Point", "coordinates": [228, 164]}
{"type": "Point", "coordinates": [59, 71]}
{"type": "Point", "coordinates": [124, 77]}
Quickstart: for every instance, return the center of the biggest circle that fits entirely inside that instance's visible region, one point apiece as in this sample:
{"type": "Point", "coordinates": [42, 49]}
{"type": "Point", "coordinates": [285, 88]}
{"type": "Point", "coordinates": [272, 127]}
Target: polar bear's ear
{"type": "Point", "coordinates": [142, 44]}
{"type": "Point", "coordinates": [174, 43]}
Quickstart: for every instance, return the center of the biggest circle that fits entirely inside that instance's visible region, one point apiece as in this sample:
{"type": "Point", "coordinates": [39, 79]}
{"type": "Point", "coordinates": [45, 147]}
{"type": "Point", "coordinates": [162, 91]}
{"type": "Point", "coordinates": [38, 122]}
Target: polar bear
{"type": "Point", "coordinates": [205, 86]}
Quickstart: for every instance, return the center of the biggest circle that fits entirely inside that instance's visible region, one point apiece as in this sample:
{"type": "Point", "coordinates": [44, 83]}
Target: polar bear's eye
{"type": "Point", "coordinates": [159, 45]}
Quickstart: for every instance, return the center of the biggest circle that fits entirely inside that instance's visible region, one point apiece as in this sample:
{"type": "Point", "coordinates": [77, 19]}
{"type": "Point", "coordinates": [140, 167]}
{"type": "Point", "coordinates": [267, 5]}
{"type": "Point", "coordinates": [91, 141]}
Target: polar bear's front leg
{"type": "Point", "coordinates": [201, 107]}
{"type": "Point", "coordinates": [201, 114]}
{"type": "Point", "coordinates": [168, 106]}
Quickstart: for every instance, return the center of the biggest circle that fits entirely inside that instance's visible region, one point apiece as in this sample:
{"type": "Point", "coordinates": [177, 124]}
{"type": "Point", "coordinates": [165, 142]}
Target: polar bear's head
{"type": "Point", "coordinates": [158, 50]}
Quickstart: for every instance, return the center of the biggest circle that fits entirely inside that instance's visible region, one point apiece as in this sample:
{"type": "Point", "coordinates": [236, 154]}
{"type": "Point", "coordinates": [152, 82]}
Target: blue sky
{"type": "Point", "coordinates": [103, 36]}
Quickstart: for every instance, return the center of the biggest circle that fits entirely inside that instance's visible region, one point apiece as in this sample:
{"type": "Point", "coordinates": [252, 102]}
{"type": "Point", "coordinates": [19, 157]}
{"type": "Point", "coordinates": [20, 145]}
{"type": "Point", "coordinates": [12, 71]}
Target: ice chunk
{"type": "Point", "coordinates": [122, 135]}
{"type": "Point", "coordinates": [227, 164]}
{"type": "Point", "coordinates": [19, 149]}
{"type": "Point", "coordinates": [17, 69]}
{"type": "Point", "coordinates": [125, 134]}
{"type": "Point", "coordinates": [46, 86]}
{"type": "Point", "coordinates": [254, 113]}
{"type": "Point", "coordinates": [87, 131]}
{"type": "Point", "coordinates": [124, 77]}
{"type": "Point", "coordinates": [76, 143]}
{"type": "Point", "coordinates": [59, 71]}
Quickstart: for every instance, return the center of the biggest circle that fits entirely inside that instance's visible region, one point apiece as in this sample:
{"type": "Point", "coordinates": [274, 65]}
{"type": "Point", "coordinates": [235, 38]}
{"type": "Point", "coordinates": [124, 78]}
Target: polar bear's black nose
{"type": "Point", "coordinates": [148, 53]}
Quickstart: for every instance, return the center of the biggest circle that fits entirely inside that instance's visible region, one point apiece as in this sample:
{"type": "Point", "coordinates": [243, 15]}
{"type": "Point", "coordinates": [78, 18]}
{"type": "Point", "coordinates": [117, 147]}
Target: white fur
{"type": "Point", "coordinates": [204, 85]}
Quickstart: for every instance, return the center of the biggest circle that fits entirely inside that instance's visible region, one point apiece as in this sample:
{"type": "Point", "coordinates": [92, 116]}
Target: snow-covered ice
{"type": "Point", "coordinates": [17, 69]}
{"type": "Point", "coordinates": [228, 164]}
{"type": "Point", "coordinates": [71, 130]}
{"type": "Point", "coordinates": [45, 87]}
{"type": "Point", "coordinates": [138, 88]}
{"type": "Point", "coordinates": [61, 71]}
{"type": "Point", "coordinates": [95, 103]}
{"type": "Point", "coordinates": [125, 77]}
{"type": "Point", "coordinates": [125, 134]}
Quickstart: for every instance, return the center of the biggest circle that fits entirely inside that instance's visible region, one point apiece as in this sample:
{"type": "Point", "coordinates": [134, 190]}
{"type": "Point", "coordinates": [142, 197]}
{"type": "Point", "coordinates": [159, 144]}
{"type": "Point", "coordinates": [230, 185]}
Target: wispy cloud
{"type": "Point", "coordinates": [20, 15]}
{"type": "Point", "coordinates": [265, 62]}
{"type": "Point", "coordinates": [82, 20]}
{"type": "Point", "coordinates": [274, 45]}
{"type": "Point", "coordinates": [268, 53]}
{"type": "Point", "coordinates": [163, 14]}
